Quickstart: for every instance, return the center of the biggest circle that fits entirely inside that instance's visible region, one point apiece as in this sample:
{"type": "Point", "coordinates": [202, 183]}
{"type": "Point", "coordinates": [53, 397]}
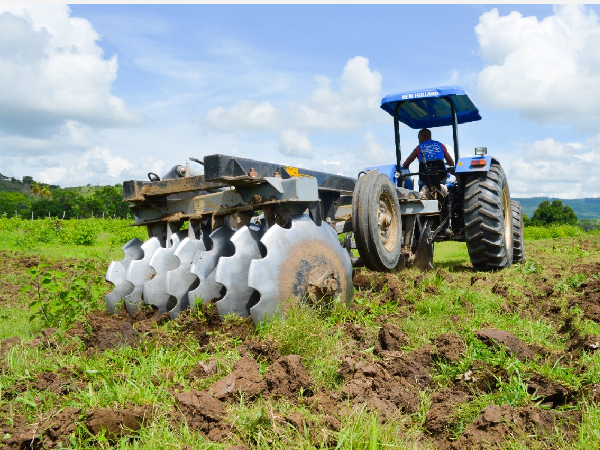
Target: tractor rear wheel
{"type": "Point", "coordinates": [376, 222]}
{"type": "Point", "coordinates": [518, 231]}
{"type": "Point", "coordinates": [488, 220]}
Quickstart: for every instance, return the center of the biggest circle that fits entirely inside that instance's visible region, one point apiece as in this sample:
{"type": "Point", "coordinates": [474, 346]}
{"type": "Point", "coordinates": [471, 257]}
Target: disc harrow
{"type": "Point", "coordinates": [259, 238]}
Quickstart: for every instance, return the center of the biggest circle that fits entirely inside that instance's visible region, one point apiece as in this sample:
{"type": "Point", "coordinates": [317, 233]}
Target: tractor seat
{"type": "Point", "coordinates": [433, 172]}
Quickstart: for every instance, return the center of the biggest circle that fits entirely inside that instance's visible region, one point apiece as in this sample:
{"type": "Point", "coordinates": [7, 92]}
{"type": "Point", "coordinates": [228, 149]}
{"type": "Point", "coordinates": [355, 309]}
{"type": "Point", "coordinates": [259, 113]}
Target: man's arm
{"type": "Point", "coordinates": [447, 156]}
{"type": "Point", "coordinates": [411, 157]}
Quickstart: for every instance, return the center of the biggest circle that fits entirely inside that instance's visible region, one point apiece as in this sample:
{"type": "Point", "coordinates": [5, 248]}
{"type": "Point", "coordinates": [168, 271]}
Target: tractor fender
{"type": "Point", "coordinates": [470, 164]}
{"type": "Point", "coordinates": [390, 171]}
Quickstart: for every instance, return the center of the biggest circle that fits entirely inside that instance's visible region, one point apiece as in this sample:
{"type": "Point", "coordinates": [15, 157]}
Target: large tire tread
{"type": "Point", "coordinates": [518, 232]}
{"type": "Point", "coordinates": [485, 220]}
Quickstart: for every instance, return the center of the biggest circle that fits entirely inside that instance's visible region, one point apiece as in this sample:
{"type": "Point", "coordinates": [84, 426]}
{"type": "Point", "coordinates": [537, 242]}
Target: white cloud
{"type": "Point", "coordinates": [348, 108]}
{"type": "Point", "coordinates": [96, 164]}
{"type": "Point", "coordinates": [371, 153]}
{"type": "Point", "coordinates": [53, 74]}
{"type": "Point", "coordinates": [245, 114]}
{"type": "Point", "coordinates": [149, 164]}
{"type": "Point", "coordinates": [556, 169]}
{"type": "Point", "coordinates": [548, 70]}
{"type": "Point", "coordinates": [293, 143]}
{"type": "Point", "coordinates": [52, 175]}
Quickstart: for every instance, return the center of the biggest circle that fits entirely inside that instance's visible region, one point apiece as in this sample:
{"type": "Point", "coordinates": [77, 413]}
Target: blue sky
{"type": "Point", "coordinates": [103, 93]}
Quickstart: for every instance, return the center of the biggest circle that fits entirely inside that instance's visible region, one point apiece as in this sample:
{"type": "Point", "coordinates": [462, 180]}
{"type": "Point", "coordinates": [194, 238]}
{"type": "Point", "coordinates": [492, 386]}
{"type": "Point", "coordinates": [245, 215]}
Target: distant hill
{"type": "Point", "coordinates": [585, 208]}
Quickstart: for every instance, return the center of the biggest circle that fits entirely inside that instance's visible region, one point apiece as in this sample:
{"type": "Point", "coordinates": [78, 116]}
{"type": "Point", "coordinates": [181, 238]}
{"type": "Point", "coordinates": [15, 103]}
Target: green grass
{"type": "Point", "coordinates": [553, 232]}
{"type": "Point", "coordinates": [151, 373]}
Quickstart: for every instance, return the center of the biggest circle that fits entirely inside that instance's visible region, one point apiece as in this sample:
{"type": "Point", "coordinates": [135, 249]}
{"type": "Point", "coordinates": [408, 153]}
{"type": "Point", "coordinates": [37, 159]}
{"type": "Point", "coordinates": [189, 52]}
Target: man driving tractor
{"type": "Point", "coordinates": [427, 150]}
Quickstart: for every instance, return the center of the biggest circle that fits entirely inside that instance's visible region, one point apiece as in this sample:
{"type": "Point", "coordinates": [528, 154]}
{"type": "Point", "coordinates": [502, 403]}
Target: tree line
{"type": "Point", "coordinates": [30, 197]}
{"type": "Point", "coordinates": [555, 213]}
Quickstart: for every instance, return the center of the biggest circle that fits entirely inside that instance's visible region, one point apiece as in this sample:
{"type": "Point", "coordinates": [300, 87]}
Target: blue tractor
{"type": "Point", "coordinates": [259, 234]}
{"type": "Point", "coordinates": [471, 200]}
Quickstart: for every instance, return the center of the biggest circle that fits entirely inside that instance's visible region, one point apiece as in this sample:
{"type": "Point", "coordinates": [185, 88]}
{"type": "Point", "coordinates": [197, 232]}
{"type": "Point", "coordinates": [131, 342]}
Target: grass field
{"type": "Point", "coordinates": [447, 359]}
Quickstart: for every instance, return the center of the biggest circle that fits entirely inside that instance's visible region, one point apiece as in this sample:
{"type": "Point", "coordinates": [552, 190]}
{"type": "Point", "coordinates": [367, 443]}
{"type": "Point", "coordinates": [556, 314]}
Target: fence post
{"type": "Point", "coordinates": [31, 215]}
{"type": "Point", "coordinates": [64, 212]}
{"type": "Point", "coordinates": [15, 213]}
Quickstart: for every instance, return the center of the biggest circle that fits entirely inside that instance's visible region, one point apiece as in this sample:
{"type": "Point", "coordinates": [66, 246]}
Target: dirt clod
{"type": "Point", "coordinates": [104, 331]}
{"type": "Point", "coordinates": [380, 388]}
{"type": "Point", "coordinates": [391, 338]}
{"type": "Point", "coordinates": [552, 393]}
{"type": "Point", "coordinates": [56, 383]}
{"type": "Point", "coordinates": [263, 349]}
{"type": "Point", "coordinates": [586, 343]}
{"type": "Point", "coordinates": [244, 380]}
{"type": "Point", "coordinates": [202, 412]}
{"type": "Point", "coordinates": [415, 367]}
{"type": "Point", "coordinates": [8, 343]}
{"type": "Point", "coordinates": [588, 299]}
{"type": "Point", "coordinates": [481, 378]}
{"type": "Point", "coordinates": [496, 424]}
{"type": "Point", "coordinates": [493, 337]}
{"type": "Point", "coordinates": [202, 370]}
{"type": "Point", "coordinates": [450, 346]}
{"type": "Point", "coordinates": [354, 331]}
{"type": "Point", "coordinates": [286, 377]}
{"type": "Point", "coordinates": [118, 422]}
{"type": "Point", "coordinates": [63, 424]}
{"type": "Point", "coordinates": [388, 283]}
{"type": "Point", "coordinates": [50, 433]}
{"type": "Point", "coordinates": [443, 404]}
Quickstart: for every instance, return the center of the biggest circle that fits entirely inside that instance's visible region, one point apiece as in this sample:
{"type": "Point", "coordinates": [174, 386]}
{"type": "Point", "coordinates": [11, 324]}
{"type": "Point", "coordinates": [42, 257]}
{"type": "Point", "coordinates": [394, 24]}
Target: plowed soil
{"type": "Point", "coordinates": [383, 366]}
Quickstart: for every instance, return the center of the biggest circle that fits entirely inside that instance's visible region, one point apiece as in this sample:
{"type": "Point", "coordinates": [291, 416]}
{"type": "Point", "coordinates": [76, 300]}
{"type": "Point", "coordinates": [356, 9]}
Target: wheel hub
{"type": "Point", "coordinates": [386, 221]}
{"type": "Point", "coordinates": [321, 283]}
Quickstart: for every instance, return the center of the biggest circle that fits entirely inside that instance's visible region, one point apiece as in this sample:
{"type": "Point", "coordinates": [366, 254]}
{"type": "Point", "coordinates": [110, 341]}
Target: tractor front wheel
{"type": "Point", "coordinates": [376, 222]}
{"type": "Point", "coordinates": [488, 220]}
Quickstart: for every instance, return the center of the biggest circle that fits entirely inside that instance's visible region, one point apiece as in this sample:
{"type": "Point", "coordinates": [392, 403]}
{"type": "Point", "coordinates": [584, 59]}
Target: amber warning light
{"type": "Point", "coordinates": [478, 162]}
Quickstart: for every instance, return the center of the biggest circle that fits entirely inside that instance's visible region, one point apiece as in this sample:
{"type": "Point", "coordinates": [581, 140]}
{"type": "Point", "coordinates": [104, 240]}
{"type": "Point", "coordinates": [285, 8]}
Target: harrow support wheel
{"type": "Point", "coordinates": [376, 222]}
{"type": "Point", "coordinates": [488, 220]}
{"type": "Point", "coordinates": [518, 232]}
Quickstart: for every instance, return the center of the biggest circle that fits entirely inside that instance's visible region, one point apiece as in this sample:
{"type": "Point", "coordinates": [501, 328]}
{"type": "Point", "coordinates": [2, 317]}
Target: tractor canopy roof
{"type": "Point", "coordinates": [427, 108]}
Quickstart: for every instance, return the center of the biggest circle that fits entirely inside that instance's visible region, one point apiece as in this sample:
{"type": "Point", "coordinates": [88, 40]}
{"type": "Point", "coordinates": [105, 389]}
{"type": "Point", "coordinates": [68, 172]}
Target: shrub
{"type": "Point", "coordinates": [552, 232]}
{"type": "Point", "coordinates": [80, 232]}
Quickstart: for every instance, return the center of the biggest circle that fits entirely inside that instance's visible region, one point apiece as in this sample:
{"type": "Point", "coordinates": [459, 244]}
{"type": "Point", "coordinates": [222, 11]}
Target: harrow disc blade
{"type": "Point", "coordinates": [138, 272]}
{"type": "Point", "coordinates": [232, 273]}
{"type": "Point", "coordinates": [162, 261]}
{"type": "Point", "coordinates": [180, 281]}
{"type": "Point", "coordinates": [116, 274]}
{"type": "Point", "coordinates": [303, 262]}
{"type": "Point", "coordinates": [205, 263]}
